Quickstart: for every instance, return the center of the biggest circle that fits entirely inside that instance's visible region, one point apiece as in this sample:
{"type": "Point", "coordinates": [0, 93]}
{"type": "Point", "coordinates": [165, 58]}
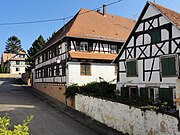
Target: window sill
{"type": "Point", "coordinates": [86, 75]}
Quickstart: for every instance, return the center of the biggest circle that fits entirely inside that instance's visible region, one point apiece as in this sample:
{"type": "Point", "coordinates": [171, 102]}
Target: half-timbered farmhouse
{"type": "Point", "coordinates": [148, 63]}
{"type": "Point", "coordinates": [83, 49]}
{"type": "Point", "coordinates": [15, 63]}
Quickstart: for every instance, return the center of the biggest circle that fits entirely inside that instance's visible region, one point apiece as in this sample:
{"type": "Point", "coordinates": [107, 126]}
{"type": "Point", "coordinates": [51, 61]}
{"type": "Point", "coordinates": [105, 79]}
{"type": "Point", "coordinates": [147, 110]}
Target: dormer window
{"type": "Point", "coordinates": [83, 46]}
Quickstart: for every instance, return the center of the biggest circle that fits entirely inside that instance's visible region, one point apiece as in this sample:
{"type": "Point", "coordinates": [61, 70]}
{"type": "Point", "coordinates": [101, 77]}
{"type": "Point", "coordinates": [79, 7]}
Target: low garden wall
{"type": "Point", "coordinates": [127, 119]}
{"type": "Point", "coordinates": [54, 91]}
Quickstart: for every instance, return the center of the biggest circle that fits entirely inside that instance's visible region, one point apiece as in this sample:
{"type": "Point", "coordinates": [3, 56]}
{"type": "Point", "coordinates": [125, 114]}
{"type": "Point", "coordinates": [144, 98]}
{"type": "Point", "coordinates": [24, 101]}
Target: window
{"type": "Point", "coordinates": [54, 74]}
{"type": "Point", "coordinates": [85, 69]}
{"type": "Point", "coordinates": [131, 68]}
{"type": "Point", "coordinates": [113, 48]}
{"type": "Point", "coordinates": [17, 62]}
{"type": "Point", "coordinates": [84, 46]}
{"type": "Point", "coordinates": [155, 36]}
{"type": "Point", "coordinates": [22, 56]}
{"type": "Point", "coordinates": [169, 66]}
{"type": "Point", "coordinates": [17, 69]}
{"type": "Point", "coordinates": [153, 94]}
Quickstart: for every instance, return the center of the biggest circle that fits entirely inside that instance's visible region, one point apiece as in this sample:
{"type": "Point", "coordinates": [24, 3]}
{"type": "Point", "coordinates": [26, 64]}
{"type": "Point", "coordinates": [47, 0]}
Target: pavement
{"type": "Point", "coordinates": [50, 116]}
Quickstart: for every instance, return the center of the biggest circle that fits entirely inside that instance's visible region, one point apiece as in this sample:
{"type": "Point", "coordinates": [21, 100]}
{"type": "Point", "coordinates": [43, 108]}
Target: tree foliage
{"type": "Point", "coordinates": [13, 45]}
{"type": "Point", "coordinates": [37, 45]}
{"type": "Point", "coordinates": [51, 36]}
{"type": "Point", "coordinates": [20, 129]}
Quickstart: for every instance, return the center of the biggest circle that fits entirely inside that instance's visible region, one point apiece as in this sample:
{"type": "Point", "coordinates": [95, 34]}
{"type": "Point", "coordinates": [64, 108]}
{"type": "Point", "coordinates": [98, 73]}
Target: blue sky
{"type": "Point", "coordinates": [33, 10]}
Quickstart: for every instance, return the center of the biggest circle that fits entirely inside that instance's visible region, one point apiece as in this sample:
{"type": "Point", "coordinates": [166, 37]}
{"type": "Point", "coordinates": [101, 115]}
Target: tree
{"type": "Point", "coordinates": [51, 36]}
{"type": "Point", "coordinates": [13, 45]}
{"type": "Point", "coordinates": [37, 45]}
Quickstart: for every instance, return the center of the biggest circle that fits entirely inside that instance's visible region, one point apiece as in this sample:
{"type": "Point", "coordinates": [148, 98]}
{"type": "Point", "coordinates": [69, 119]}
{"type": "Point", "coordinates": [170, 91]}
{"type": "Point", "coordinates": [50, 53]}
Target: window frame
{"type": "Point", "coordinates": [176, 65]}
{"type": "Point", "coordinates": [129, 60]}
{"type": "Point", "coordinates": [85, 74]}
{"type": "Point", "coordinates": [83, 45]}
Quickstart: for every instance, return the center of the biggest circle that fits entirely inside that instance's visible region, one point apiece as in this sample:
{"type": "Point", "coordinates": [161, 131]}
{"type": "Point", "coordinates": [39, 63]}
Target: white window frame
{"type": "Point", "coordinates": [156, 93]}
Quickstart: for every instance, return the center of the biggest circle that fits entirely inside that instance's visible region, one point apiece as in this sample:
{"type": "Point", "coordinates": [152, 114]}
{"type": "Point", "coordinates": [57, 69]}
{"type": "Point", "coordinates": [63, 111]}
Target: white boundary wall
{"type": "Point", "coordinates": [125, 118]}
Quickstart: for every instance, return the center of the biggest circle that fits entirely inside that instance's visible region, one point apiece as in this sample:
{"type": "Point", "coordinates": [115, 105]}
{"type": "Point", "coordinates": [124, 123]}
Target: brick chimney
{"type": "Point", "coordinates": [104, 10]}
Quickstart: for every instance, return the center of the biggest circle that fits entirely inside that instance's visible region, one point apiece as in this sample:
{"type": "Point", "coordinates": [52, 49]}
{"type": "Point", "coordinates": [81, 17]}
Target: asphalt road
{"type": "Point", "coordinates": [47, 120]}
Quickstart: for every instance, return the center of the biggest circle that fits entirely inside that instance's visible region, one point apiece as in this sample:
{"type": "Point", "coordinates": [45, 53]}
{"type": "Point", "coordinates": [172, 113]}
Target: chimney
{"type": "Point", "coordinates": [104, 10]}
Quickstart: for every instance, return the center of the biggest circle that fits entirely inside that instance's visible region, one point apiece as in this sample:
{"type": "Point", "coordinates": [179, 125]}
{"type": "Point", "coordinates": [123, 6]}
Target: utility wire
{"type": "Point", "coordinates": [53, 20]}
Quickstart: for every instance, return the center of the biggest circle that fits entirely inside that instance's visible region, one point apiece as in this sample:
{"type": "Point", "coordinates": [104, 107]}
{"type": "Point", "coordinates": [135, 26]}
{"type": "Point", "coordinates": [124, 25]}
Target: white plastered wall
{"type": "Point", "coordinates": [105, 71]}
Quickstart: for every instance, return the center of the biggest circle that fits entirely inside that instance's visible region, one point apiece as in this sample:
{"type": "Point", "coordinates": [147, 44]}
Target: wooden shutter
{"type": "Point", "coordinates": [166, 95]}
{"type": "Point", "coordinates": [144, 93]}
{"type": "Point", "coordinates": [131, 68]}
{"type": "Point", "coordinates": [125, 92]}
{"type": "Point", "coordinates": [155, 36]}
{"type": "Point", "coordinates": [172, 66]}
{"type": "Point", "coordinates": [168, 65]}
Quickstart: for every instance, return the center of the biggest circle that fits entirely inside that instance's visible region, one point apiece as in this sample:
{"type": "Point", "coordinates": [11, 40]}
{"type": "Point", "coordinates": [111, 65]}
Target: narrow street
{"type": "Point", "coordinates": [48, 120]}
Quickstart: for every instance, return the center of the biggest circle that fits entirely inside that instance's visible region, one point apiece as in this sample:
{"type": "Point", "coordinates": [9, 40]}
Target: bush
{"type": "Point", "coordinates": [71, 90]}
{"type": "Point", "coordinates": [96, 89]}
{"type": "Point", "coordinates": [20, 129]}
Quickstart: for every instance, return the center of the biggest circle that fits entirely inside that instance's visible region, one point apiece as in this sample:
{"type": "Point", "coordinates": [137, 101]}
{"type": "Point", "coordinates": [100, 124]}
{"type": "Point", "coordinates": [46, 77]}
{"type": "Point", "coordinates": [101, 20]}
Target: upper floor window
{"type": "Point", "coordinates": [169, 65]}
{"type": "Point", "coordinates": [83, 46]}
{"type": "Point", "coordinates": [131, 68]}
{"type": "Point", "coordinates": [155, 36]}
{"type": "Point", "coordinates": [17, 62]}
{"type": "Point", "coordinates": [113, 48]}
{"type": "Point", "coordinates": [85, 69]}
{"type": "Point", "coordinates": [22, 56]}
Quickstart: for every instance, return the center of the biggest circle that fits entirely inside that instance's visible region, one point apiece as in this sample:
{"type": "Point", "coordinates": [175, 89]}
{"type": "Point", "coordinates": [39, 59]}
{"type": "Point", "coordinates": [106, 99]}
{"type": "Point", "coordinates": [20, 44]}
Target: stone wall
{"type": "Point", "coordinates": [54, 91]}
{"type": "Point", "coordinates": [127, 119]}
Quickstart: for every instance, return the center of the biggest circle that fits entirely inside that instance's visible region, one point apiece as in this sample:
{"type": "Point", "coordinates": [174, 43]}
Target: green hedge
{"type": "Point", "coordinates": [102, 89]}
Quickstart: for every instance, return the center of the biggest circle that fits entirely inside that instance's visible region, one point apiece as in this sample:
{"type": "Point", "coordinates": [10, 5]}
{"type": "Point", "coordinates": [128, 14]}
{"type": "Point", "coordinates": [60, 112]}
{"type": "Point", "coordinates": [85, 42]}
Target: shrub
{"type": "Point", "coordinates": [102, 89]}
{"type": "Point", "coordinates": [20, 129]}
{"type": "Point", "coordinates": [71, 90]}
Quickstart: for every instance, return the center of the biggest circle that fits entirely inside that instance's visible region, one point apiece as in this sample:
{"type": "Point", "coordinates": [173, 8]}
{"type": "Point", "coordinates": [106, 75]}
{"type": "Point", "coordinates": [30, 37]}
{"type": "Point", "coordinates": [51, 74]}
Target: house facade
{"type": "Point", "coordinates": [15, 63]}
{"type": "Point", "coordinates": [83, 49]}
{"type": "Point", "coordinates": [148, 63]}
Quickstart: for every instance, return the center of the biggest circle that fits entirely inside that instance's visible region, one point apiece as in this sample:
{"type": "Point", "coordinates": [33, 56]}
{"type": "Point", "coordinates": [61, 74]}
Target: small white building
{"type": "Point", "coordinates": [148, 63]}
{"type": "Point", "coordinates": [83, 49]}
{"type": "Point", "coordinates": [15, 63]}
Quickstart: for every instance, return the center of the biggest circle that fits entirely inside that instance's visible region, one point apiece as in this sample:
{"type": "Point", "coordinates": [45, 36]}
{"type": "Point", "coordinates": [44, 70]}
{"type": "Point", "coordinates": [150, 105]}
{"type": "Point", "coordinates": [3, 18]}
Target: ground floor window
{"type": "Point", "coordinates": [85, 69]}
{"type": "Point", "coordinates": [17, 69]}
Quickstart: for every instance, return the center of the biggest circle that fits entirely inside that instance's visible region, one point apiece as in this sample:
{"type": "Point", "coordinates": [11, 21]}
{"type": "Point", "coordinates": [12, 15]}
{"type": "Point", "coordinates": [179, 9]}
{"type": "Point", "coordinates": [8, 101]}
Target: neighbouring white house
{"type": "Point", "coordinates": [83, 49]}
{"type": "Point", "coordinates": [148, 63]}
{"type": "Point", "coordinates": [15, 63]}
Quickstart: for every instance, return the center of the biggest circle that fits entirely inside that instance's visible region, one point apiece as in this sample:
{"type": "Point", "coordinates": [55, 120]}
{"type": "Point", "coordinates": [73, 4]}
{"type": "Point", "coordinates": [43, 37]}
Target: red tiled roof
{"type": "Point", "coordinates": [94, 25]}
{"type": "Point", "coordinates": [19, 59]}
{"type": "Point", "coordinates": [173, 16]}
{"type": "Point", "coordinates": [7, 56]}
{"type": "Point", "coordinates": [89, 55]}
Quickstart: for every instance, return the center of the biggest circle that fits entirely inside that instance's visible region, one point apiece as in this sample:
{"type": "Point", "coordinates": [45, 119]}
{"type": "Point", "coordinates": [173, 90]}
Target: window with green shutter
{"type": "Point", "coordinates": [85, 69]}
{"type": "Point", "coordinates": [155, 36]}
{"type": "Point", "coordinates": [131, 68]}
{"type": "Point", "coordinates": [168, 66]}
